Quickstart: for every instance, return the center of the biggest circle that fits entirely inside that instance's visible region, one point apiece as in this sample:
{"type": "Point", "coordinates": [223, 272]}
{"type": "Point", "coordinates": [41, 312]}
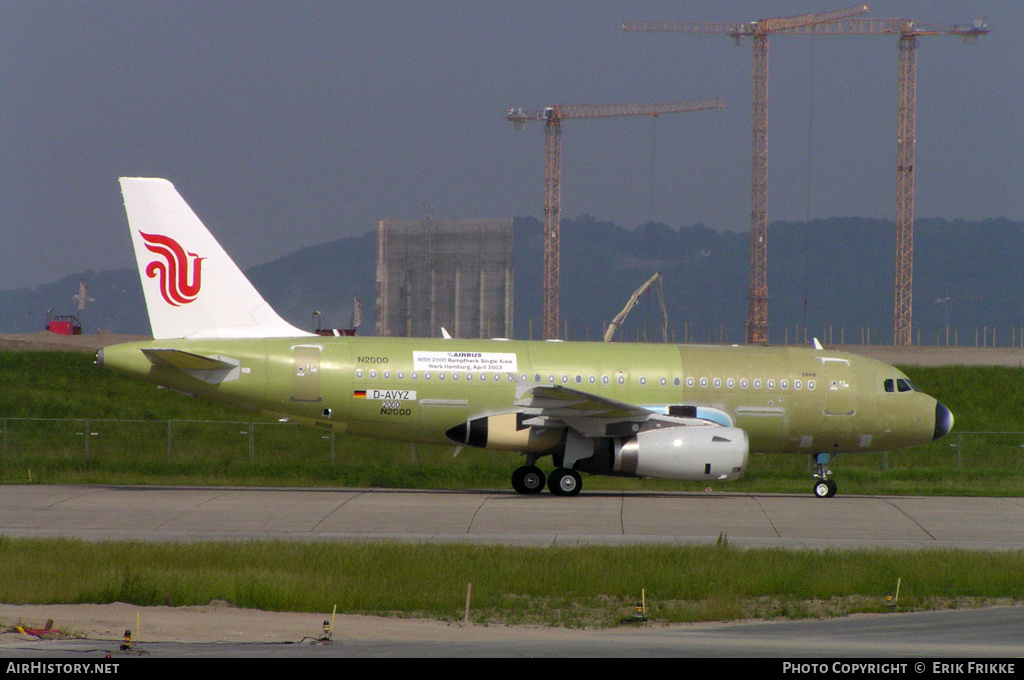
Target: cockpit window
{"type": "Point", "coordinates": [899, 385]}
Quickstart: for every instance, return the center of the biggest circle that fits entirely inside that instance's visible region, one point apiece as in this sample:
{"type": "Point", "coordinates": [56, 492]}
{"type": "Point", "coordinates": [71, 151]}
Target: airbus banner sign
{"type": "Point", "coordinates": [500, 362]}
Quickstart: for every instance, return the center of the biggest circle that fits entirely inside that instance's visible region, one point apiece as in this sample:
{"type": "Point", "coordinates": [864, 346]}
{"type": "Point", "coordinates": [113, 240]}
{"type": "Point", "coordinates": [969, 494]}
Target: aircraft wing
{"type": "Point", "coordinates": [592, 416]}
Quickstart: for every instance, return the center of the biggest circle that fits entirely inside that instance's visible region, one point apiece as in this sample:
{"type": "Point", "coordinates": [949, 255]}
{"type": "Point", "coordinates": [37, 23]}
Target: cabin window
{"type": "Point", "coordinates": [675, 381]}
{"type": "Point", "coordinates": [387, 374]}
{"type": "Point", "coordinates": [455, 376]}
{"type": "Point", "coordinates": [718, 382]}
{"type": "Point", "coordinates": [579, 379]}
{"type": "Point", "coordinates": [689, 382]}
{"type": "Point", "coordinates": [592, 379]}
{"type": "Point", "coordinates": [796, 384]}
{"type": "Point", "coordinates": [771, 384]}
{"type": "Point", "coordinates": [604, 379]}
{"type": "Point", "coordinates": [643, 381]}
{"type": "Point", "coordinates": [743, 383]}
{"type": "Point", "coordinates": [622, 379]}
{"type": "Point", "coordinates": [757, 384]}
{"type": "Point", "coordinates": [401, 375]}
{"type": "Point", "coordinates": [414, 375]}
{"type": "Point", "coordinates": [536, 378]}
{"type": "Point", "coordinates": [373, 374]}
{"type": "Point", "coordinates": [359, 373]}
{"type": "Point", "coordinates": [810, 384]}
{"type": "Point", "coordinates": [440, 376]}
{"type": "Point", "coordinates": [785, 384]}
{"type": "Point", "coordinates": [426, 376]}
{"type": "Point", "coordinates": [565, 379]}
{"type": "Point", "coordinates": [664, 382]}
{"type": "Point", "coordinates": [551, 379]}
{"type": "Point", "coordinates": [731, 383]}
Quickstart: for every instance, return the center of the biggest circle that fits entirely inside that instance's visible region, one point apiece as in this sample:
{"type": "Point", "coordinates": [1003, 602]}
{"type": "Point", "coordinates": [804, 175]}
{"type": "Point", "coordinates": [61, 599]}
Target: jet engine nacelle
{"type": "Point", "coordinates": [684, 453]}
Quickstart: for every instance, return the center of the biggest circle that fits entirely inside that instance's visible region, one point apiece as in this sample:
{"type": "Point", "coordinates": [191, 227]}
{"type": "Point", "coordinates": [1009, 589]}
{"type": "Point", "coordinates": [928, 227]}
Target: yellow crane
{"type": "Point", "coordinates": [552, 117]}
{"type": "Point", "coordinates": [609, 332]}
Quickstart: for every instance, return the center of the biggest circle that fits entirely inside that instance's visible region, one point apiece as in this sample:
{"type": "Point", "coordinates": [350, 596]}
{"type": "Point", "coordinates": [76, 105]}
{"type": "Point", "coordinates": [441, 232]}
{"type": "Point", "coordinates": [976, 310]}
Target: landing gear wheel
{"type": "Point", "coordinates": [528, 479]}
{"type": "Point", "coordinates": [564, 482]}
{"type": "Point", "coordinates": [825, 488]}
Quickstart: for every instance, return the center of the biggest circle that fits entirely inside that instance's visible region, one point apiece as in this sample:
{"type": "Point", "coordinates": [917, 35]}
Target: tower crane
{"type": "Point", "coordinates": [757, 310]}
{"type": "Point", "coordinates": [906, 124]}
{"type": "Point", "coordinates": [552, 117]}
{"type": "Point", "coordinates": [841, 22]}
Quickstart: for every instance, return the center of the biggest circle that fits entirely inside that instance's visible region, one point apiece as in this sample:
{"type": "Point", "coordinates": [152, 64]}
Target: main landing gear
{"type": "Point", "coordinates": [529, 479]}
{"type": "Point", "coordinates": [824, 487]}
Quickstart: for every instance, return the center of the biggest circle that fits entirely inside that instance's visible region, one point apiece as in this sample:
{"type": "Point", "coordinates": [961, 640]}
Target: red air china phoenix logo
{"type": "Point", "coordinates": [178, 286]}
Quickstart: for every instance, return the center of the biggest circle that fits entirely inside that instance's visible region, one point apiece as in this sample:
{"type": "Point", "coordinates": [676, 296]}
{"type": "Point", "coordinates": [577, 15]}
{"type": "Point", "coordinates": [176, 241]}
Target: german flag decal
{"type": "Point", "coordinates": [359, 394]}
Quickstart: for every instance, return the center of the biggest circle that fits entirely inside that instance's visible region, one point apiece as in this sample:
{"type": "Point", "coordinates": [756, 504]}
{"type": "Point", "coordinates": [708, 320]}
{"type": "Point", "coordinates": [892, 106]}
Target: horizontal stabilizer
{"type": "Point", "coordinates": [186, 361]}
{"type": "Point", "coordinates": [212, 370]}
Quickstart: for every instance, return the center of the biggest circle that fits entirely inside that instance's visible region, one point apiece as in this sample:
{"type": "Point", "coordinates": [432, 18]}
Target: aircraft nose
{"type": "Point", "coordinates": [943, 420]}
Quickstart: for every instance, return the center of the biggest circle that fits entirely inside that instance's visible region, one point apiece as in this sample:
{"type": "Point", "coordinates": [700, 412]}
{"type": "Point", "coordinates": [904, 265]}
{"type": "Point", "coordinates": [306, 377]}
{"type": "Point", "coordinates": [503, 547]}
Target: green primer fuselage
{"type": "Point", "coordinates": [788, 400]}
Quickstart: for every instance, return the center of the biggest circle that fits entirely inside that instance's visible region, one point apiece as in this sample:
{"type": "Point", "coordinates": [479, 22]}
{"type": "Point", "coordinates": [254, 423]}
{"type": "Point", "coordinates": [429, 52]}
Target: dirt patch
{"type": "Point", "coordinates": [219, 623]}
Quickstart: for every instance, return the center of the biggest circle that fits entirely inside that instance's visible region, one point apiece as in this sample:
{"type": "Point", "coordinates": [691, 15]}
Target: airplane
{"type": "Point", "coordinates": [677, 412]}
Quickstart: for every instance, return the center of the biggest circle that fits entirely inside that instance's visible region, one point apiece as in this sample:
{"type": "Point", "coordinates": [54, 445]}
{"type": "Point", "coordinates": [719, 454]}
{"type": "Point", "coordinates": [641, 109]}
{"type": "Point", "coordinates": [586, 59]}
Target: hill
{"type": "Point", "coordinates": [834, 275]}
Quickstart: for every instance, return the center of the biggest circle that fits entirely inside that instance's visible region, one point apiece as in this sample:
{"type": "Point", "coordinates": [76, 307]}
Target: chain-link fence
{"type": "Point", "coordinates": [185, 441]}
{"type": "Point", "coordinates": [204, 447]}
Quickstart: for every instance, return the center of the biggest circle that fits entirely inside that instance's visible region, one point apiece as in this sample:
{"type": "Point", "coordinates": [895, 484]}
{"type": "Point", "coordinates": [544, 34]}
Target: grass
{"type": "Point", "coordinates": [115, 430]}
{"type": "Point", "coordinates": [586, 586]}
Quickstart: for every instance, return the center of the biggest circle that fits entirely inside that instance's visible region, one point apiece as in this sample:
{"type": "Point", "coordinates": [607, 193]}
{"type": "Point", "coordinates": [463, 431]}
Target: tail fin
{"type": "Point", "coordinates": [192, 288]}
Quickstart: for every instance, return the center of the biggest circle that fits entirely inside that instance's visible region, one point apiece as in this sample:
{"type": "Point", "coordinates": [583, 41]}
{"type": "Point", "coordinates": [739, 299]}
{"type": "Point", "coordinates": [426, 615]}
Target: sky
{"type": "Point", "coordinates": [287, 124]}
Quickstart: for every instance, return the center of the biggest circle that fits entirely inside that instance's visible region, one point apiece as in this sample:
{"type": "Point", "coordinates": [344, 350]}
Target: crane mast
{"type": "Point", "coordinates": [757, 297]}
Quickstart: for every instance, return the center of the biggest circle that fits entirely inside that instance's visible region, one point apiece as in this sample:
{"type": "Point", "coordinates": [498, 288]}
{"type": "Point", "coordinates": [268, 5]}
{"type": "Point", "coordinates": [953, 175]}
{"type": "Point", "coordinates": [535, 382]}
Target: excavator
{"type": "Point", "coordinates": [609, 332]}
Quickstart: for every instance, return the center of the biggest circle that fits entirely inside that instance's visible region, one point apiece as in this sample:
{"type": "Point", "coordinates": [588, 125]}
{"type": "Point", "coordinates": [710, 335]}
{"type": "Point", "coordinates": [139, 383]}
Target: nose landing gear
{"type": "Point", "coordinates": [824, 487]}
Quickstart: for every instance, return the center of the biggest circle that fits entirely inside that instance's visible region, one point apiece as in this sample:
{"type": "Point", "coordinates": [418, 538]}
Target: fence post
{"type": "Point", "coordinates": [252, 442]}
{"type": "Point", "coordinates": [5, 437]}
{"type": "Point", "coordinates": [959, 450]}
{"type": "Point", "coordinates": [85, 433]}
{"type": "Point", "coordinates": [169, 441]}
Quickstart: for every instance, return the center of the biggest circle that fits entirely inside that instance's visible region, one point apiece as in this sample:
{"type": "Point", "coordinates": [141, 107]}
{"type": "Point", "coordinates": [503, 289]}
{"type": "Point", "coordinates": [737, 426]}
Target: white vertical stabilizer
{"type": "Point", "coordinates": [192, 288]}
